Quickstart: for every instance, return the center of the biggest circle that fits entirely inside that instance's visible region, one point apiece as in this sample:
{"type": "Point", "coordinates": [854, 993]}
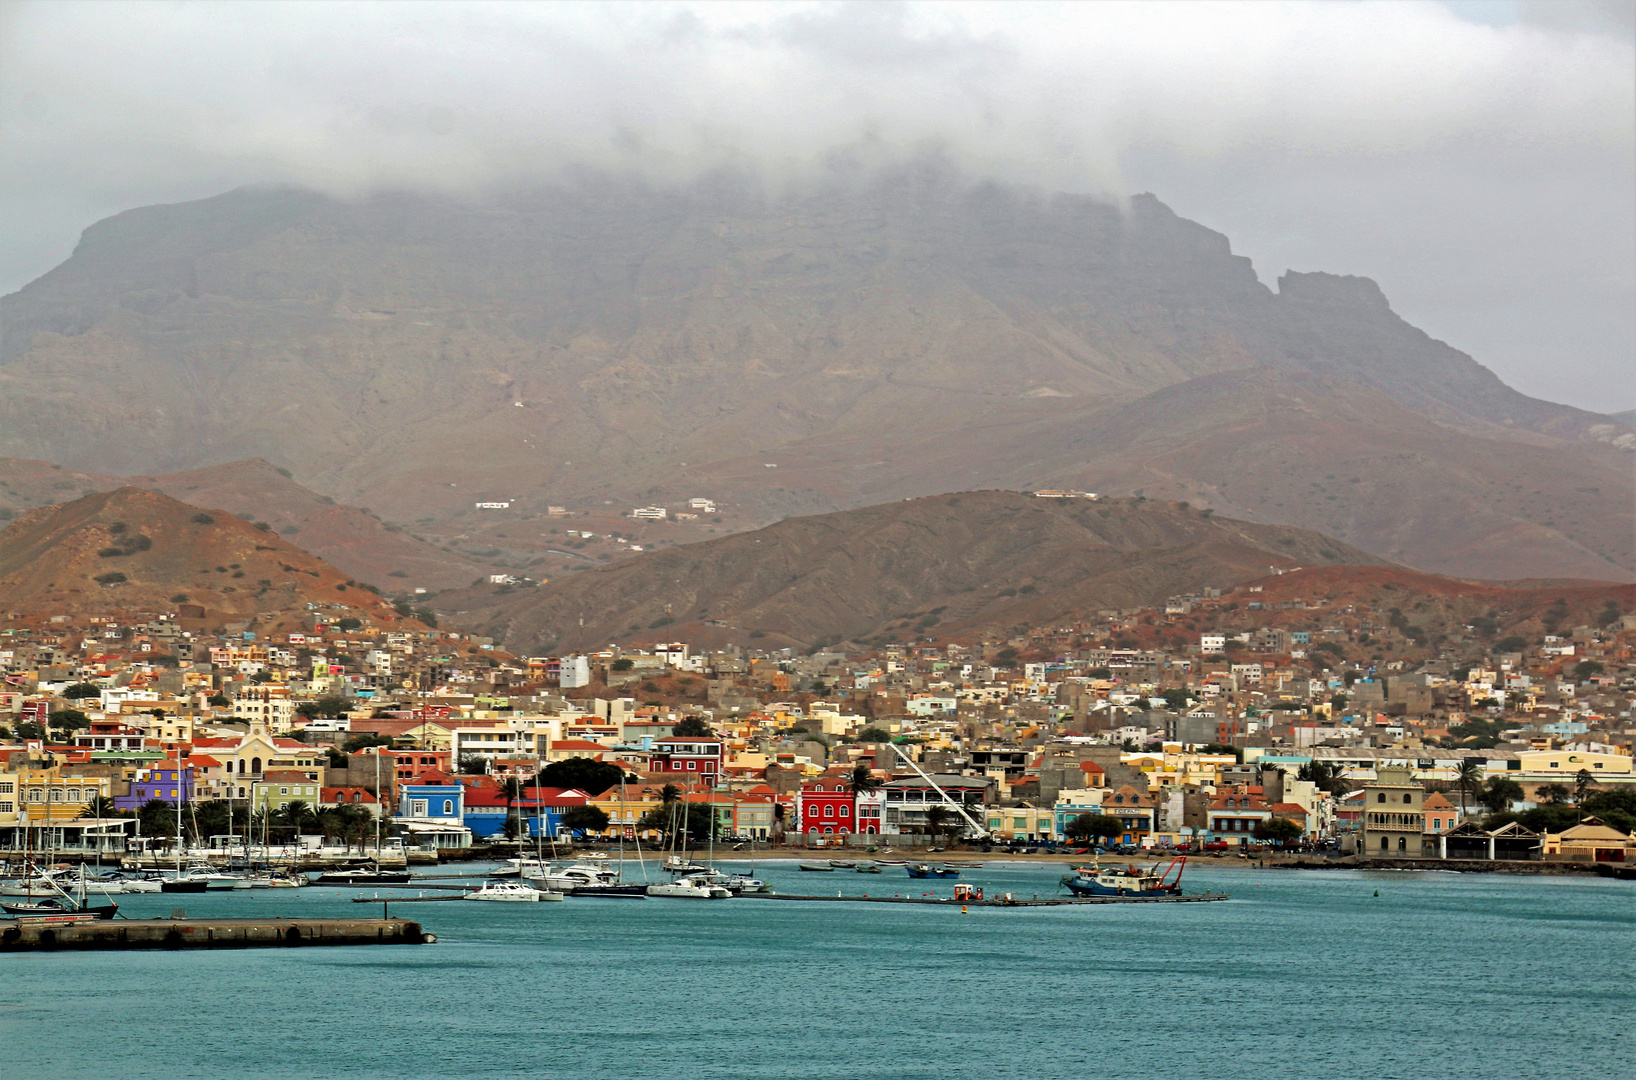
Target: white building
{"type": "Point", "coordinates": [650, 513]}
{"type": "Point", "coordinates": [1213, 643]}
{"type": "Point", "coordinates": [575, 671]}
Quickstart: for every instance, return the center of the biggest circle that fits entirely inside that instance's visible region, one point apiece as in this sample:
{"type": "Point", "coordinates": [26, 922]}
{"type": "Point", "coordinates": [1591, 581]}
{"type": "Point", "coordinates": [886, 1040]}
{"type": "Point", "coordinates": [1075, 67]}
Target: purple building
{"type": "Point", "coordinates": [158, 781]}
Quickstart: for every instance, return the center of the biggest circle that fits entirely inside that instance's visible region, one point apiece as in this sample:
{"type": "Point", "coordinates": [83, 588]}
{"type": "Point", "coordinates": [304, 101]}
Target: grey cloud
{"type": "Point", "coordinates": [1475, 159]}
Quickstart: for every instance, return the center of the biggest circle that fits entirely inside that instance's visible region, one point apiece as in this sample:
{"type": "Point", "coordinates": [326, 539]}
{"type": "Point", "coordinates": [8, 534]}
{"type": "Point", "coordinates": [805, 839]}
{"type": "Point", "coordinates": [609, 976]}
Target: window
{"type": "Point", "coordinates": [1381, 797]}
{"type": "Point", "coordinates": [1402, 843]}
{"type": "Point", "coordinates": [846, 812]}
{"type": "Point", "coordinates": [829, 811]}
{"type": "Point", "coordinates": [1385, 844]}
{"type": "Point", "coordinates": [7, 807]}
{"type": "Point", "coordinates": [448, 807]}
{"type": "Point", "coordinates": [692, 765]}
{"type": "Point", "coordinates": [1408, 798]}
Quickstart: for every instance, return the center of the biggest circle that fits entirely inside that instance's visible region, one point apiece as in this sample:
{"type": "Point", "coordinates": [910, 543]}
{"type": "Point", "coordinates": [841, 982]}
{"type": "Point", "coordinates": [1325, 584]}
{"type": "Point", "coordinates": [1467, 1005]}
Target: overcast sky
{"type": "Point", "coordinates": [1475, 158]}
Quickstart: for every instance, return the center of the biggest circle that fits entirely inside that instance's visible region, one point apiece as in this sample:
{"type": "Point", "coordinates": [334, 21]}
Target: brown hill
{"type": "Point", "coordinates": [943, 565]}
{"type": "Point", "coordinates": [135, 550]}
{"type": "Point", "coordinates": [351, 538]}
{"type": "Point", "coordinates": [608, 345]}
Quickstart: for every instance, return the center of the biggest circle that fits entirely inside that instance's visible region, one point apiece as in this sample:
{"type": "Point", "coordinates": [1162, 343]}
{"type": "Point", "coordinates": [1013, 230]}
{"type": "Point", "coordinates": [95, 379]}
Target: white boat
{"type": "Point", "coordinates": [696, 887]}
{"type": "Point", "coordinates": [511, 892]}
{"type": "Point", "coordinates": [678, 864]}
{"type": "Point", "coordinates": [569, 878]}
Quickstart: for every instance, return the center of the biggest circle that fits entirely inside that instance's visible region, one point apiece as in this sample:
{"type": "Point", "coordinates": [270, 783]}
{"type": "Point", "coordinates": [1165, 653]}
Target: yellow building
{"type": "Point", "coordinates": [46, 796]}
{"type": "Point", "coordinates": [1569, 763]}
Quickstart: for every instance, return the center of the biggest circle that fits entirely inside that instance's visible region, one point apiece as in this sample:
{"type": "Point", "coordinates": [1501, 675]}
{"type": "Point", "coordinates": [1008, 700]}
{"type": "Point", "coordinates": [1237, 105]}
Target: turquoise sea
{"type": "Point", "coordinates": [1301, 974]}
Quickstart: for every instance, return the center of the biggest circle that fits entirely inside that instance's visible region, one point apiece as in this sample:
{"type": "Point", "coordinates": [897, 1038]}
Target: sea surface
{"type": "Point", "coordinates": [1301, 974]}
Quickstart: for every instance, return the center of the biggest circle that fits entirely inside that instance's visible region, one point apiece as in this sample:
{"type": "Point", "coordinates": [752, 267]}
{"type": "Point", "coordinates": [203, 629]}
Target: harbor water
{"type": "Point", "coordinates": [1302, 974]}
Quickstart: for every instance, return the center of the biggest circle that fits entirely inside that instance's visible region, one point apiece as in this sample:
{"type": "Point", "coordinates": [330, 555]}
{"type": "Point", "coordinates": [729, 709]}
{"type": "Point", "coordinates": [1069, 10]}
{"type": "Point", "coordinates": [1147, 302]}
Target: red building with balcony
{"type": "Point", "coordinates": [699, 757]}
{"type": "Point", "coordinates": [826, 804]}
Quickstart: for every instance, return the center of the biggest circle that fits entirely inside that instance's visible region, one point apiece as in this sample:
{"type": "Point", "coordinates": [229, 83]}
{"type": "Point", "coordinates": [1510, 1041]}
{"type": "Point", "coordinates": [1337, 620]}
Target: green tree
{"type": "Point", "coordinates": [862, 781]}
{"type": "Point", "coordinates": [329, 705]}
{"type": "Point", "coordinates": [1555, 794]}
{"type": "Point", "coordinates": [1338, 702]}
{"type": "Point", "coordinates": [874, 734]}
{"type": "Point", "coordinates": [668, 794]}
{"type": "Point", "coordinates": [1583, 782]}
{"type": "Point", "coordinates": [82, 690]}
{"type": "Point", "coordinates": [694, 820]}
{"type": "Point", "coordinates": [1176, 698]}
{"type": "Point", "coordinates": [348, 624]}
{"type": "Point", "coordinates": [1499, 793]}
{"type": "Point", "coordinates": [472, 765]}
{"type": "Point", "coordinates": [30, 729]}
{"type": "Point", "coordinates": [624, 663]}
{"type": "Point", "coordinates": [1006, 658]}
{"type": "Point", "coordinates": [1094, 827]}
{"type": "Point", "coordinates": [692, 727]}
{"type": "Point", "coordinates": [295, 816]}
{"type": "Point", "coordinates": [584, 819]}
{"type": "Point", "coordinates": [1586, 669]}
{"type": "Point", "coordinates": [587, 775]}
{"type": "Point", "coordinates": [70, 720]}
{"type": "Point", "coordinates": [1279, 831]}
{"type": "Point", "coordinates": [512, 789]}
{"type": "Point", "coordinates": [218, 701]}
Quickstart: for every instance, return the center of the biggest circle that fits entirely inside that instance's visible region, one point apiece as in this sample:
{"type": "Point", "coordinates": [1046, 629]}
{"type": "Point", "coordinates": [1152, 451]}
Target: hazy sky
{"type": "Point", "coordinates": [1475, 158]}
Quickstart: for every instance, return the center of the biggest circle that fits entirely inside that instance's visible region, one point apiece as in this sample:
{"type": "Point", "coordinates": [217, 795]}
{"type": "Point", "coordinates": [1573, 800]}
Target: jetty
{"type": "Point", "coordinates": [48, 933]}
{"type": "Point", "coordinates": [1005, 900]}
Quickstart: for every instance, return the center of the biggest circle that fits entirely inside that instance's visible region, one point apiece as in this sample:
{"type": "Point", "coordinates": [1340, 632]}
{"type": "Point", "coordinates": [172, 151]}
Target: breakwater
{"type": "Point", "coordinates": [29, 934]}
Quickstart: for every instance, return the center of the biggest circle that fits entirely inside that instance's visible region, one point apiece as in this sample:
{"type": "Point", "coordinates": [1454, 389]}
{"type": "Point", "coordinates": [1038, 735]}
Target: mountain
{"type": "Point", "coordinates": [131, 550]}
{"type": "Point", "coordinates": [980, 561]}
{"type": "Point", "coordinates": [351, 538]}
{"type": "Point", "coordinates": [600, 344]}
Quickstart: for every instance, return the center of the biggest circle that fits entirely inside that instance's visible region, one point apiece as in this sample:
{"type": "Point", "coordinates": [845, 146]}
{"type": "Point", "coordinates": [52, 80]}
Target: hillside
{"type": "Point", "coordinates": [975, 562]}
{"type": "Point", "coordinates": [133, 550]}
{"type": "Point", "coordinates": [607, 345]}
{"type": "Point", "coordinates": [351, 538]}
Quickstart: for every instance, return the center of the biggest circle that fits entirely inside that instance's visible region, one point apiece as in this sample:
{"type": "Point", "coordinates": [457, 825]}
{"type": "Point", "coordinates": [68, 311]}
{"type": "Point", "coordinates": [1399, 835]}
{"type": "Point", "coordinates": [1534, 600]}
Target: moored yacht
{"type": "Point", "coordinates": [692, 887]}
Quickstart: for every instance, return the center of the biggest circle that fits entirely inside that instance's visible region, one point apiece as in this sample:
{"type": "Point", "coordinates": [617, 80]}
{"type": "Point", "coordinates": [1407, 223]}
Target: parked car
{"type": "Point", "coordinates": [1216, 845]}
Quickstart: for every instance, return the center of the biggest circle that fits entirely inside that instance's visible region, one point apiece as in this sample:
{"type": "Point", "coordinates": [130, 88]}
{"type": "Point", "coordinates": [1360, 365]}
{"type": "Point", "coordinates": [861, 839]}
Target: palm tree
{"type": "Point", "coordinates": [938, 818]}
{"type": "Point", "coordinates": [669, 793]}
{"type": "Point", "coordinates": [512, 789]}
{"type": "Point", "coordinates": [296, 814]}
{"type": "Point", "coordinates": [1582, 783]}
{"type": "Point", "coordinates": [862, 781]}
{"type": "Point", "coordinates": [1469, 777]}
{"type": "Point", "coordinates": [101, 807]}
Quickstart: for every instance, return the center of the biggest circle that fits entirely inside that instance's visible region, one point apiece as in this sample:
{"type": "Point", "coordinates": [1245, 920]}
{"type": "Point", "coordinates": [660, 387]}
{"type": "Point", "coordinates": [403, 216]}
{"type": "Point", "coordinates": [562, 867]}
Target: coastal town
{"type": "Point", "coordinates": [1275, 718]}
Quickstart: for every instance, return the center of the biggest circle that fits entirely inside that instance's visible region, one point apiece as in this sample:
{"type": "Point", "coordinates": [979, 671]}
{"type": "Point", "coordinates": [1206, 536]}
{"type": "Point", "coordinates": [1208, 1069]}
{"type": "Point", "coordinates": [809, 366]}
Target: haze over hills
{"type": "Point", "coordinates": [130, 549]}
{"type": "Point", "coordinates": [944, 565]}
{"type": "Point", "coordinates": [350, 538]}
{"type": "Point", "coordinates": [608, 345]}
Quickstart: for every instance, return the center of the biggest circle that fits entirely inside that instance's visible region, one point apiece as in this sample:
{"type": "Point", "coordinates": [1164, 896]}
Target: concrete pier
{"type": "Point", "coordinates": [44, 935]}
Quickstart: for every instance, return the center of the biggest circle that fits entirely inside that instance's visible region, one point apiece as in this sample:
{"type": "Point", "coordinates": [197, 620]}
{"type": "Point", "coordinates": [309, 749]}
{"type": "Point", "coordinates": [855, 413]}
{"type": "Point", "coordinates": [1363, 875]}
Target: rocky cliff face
{"type": "Point", "coordinates": [606, 343]}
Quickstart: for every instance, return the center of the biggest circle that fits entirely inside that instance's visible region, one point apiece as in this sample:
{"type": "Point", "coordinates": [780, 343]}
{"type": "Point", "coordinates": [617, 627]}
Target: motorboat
{"type": "Point", "coordinates": [274, 879]}
{"type": "Point", "coordinates": [510, 892]}
{"type": "Point", "coordinates": [737, 884]}
{"type": "Point", "coordinates": [364, 875]}
{"type": "Point", "coordinates": [926, 870]}
{"type": "Point", "coordinates": [815, 867]}
{"type": "Point", "coordinates": [1126, 880]}
{"type": "Point", "coordinates": [572, 878]}
{"type": "Point", "coordinates": [678, 864]}
{"type": "Point", "coordinates": [694, 887]}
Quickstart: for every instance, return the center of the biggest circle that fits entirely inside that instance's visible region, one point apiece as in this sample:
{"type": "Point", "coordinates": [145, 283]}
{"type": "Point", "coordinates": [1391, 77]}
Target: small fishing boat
{"type": "Point", "coordinates": [816, 867]}
{"type": "Point", "coordinates": [510, 892]}
{"type": "Point", "coordinates": [1127, 880]}
{"type": "Point", "coordinates": [926, 870]}
{"type": "Point", "coordinates": [965, 865]}
{"type": "Point", "coordinates": [892, 862]}
{"type": "Point", "coordinates": [51, 905]}
{"type": "Point", "coordinates": [843, 864]}
{"type": "Point", "coordinates": [868, 868]}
